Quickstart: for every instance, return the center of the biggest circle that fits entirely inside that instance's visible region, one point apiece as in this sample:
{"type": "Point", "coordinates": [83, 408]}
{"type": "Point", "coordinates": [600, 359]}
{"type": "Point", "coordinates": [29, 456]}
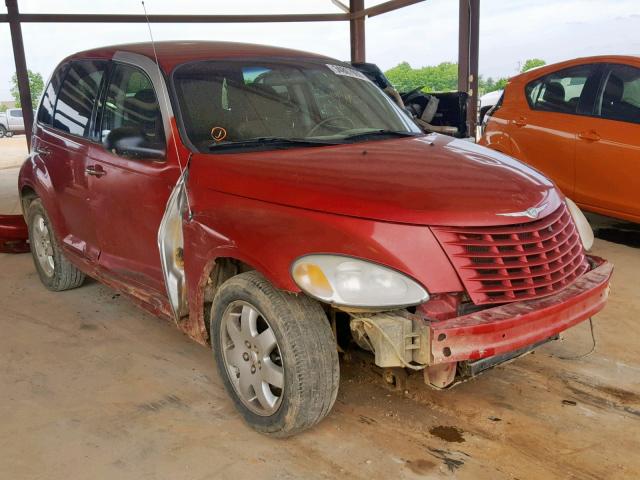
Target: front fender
{"type": "Point", "coordinates": [269, 237]}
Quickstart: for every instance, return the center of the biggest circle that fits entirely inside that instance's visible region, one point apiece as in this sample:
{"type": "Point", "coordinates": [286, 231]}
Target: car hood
{"type": "Point", "coordinates": [428, 180]}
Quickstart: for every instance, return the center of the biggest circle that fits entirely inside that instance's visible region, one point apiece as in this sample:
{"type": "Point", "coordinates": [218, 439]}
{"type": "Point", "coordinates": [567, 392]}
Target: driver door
{"type": "Point", "coordinates": [129, 195]}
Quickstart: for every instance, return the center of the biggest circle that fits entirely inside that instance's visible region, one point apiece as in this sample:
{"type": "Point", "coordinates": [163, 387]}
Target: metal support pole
{"type": "Point", "coordinates": [21, 67]}
{"type": "Point", "coordinates": [463, 46]}
{"type": "Point", "coordinates": [474, 44]}
{"type": "Point", "coordinates": [468, 52]}
{"type": "Point", "coordinates": [356, 28]}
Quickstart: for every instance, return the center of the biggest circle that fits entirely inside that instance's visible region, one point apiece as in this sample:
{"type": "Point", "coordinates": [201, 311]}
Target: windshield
{"type": "Point", "coordinates": [273, 102]}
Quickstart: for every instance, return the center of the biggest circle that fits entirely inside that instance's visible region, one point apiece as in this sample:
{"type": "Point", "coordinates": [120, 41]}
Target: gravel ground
{"type": "Point", "coordinates": [93, 387]}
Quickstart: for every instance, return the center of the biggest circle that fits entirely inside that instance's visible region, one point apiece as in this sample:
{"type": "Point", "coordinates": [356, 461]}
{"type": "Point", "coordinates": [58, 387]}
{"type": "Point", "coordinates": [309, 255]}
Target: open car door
{"type": "Point", "coordinates": [444, 112]}
{"type": "Point", "coordinates": [14, 236]}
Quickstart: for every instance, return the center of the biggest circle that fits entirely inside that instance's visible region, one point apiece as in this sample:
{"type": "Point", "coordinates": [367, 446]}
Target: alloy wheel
{"type": "Point", "coordinates": [43, 246]}
{"type": "Point", "coordinates": [252, 358]}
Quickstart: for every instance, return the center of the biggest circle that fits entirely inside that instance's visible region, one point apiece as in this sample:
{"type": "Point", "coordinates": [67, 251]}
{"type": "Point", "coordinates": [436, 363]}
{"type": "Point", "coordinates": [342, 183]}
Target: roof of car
{"type": "Point", "coordinates": [534, 72]}
{"type": "Point", "coordinates": [172, 53]}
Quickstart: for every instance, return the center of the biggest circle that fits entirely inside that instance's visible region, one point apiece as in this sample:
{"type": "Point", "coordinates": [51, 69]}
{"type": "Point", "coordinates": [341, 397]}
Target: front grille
{"type": "Point", "coordinates": [515, 262]}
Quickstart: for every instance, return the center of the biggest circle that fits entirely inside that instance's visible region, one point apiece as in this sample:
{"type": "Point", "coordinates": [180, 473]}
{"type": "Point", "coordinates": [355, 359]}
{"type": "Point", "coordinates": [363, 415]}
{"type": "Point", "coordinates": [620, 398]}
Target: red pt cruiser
{"type": "Point", "coordinates": [264, 199]}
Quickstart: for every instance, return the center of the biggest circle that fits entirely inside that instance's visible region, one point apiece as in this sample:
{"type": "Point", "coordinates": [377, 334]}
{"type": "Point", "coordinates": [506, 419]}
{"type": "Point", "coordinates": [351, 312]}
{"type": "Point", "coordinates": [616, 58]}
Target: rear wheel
{"type": "Point", "coordinates": [275, 353]}
{"type": "Point", "coordinates": [3, 131]}
{"type": "Point", "coordinates": [54, 270]}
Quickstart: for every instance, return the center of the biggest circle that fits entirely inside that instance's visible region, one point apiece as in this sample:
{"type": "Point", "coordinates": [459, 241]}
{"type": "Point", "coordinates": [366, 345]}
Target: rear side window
{"type": "Point", "coordinates": [77, 97]}
{"type": "Point", "coordinates": [16, 113]}
{"type": "Point", "coordinates": [620, 96]}
{"type": "Point", "coordinates": [132, 102]}
{"type": "Point", "coordinates": [559, 91]}
{"type": "Point", "coordinates": [45, 113]}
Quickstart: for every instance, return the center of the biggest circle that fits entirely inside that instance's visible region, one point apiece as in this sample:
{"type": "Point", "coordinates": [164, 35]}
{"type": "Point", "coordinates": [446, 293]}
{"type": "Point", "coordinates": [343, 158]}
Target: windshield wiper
{"type": "Point", "coordinates": [275, 141]}
{"type": "Point", "coordinates": [381, 133]}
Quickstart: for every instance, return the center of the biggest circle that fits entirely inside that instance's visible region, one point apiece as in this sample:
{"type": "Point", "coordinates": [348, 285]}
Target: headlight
{"type": "Point", "coordinates": [355, 283]}
{"type": "Point", "coordinates": [582, 224]}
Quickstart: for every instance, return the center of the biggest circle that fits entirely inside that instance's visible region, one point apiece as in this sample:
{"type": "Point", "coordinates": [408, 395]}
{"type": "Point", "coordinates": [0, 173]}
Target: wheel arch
{"type": "Point", "coordinates": [219, 268]}
{"type": "Point", "coordinates": [34, 181]}
{"type": "Point", "coordinates": [27, 193]}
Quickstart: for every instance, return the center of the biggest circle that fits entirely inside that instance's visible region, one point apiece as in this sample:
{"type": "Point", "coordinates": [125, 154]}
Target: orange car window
{"type": "Point", "coordinates": [558, 91]}
{"type": "Point", "coordinates": [620, 97]}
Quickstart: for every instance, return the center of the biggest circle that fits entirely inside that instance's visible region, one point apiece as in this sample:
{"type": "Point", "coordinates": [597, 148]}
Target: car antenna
{"type": "Point", "coordinates": [165, 96]}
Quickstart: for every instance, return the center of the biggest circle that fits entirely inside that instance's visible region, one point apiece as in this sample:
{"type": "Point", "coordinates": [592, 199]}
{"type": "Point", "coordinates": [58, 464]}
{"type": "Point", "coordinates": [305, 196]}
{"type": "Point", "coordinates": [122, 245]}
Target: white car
{"type": "Point", "coordinates": [487, 101]}
{"type": "Point", "coordinates": [11, 122]}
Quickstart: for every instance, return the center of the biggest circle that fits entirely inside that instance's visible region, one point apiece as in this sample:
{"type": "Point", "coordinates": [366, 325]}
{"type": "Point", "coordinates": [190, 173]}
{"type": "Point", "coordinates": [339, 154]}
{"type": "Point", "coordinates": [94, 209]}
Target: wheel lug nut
{"type": "Point", "coordinates": [245, 356]}
{"type": "Point", "coordinates": [247, 344]}
{"type": "Point", "coordinates": [253, 369]}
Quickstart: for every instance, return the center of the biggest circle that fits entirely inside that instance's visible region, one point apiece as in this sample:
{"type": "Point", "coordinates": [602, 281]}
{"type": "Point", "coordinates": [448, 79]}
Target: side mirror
{"type": "Point", "coordinates": [131, 142]}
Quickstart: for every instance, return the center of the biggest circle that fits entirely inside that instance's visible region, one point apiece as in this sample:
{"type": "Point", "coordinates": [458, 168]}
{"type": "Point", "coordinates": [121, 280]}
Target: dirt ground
{"type": "Point", "coordinates": [93, 387]}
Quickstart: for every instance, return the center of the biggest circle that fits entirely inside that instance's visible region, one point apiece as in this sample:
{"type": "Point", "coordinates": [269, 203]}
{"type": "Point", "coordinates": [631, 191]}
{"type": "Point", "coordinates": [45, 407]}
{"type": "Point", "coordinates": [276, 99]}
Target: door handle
{"type": "Point", "coordinates": [520, 122]}
{"type": "Point", "coordinates": [590, 136]}
{"type": "Point", "coordinates": [44, 151]}
{"type": "Point", "coordinates": [95, 171]}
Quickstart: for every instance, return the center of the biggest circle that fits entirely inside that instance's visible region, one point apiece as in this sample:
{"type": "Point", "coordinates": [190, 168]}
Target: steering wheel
{"type": "Point", "coordinates": [330, 119]}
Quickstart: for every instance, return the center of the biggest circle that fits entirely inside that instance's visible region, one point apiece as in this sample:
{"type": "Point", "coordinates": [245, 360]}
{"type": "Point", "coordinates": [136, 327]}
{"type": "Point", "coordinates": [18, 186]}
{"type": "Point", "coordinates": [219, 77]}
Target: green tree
{"type": "Point", "coordinates": [532, 63]}
{"type": "Point", "coordinates": [442, 78]}
{"type": "Point", "coordinates": [491, 85]}
{"type": "Point", "coordinates": [403, 77]}
{"type": "Point", "coordinates": [437, 78]}
{"type": "Point", "coordinates": [36, 84]}
{"type": "Point", "coordinates": [3, 108]}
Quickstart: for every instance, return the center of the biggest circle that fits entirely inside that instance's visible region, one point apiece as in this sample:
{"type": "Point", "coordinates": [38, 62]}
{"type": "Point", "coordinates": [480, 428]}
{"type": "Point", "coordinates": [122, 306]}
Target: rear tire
{"type": "Point", "coordinates": [55, 271]}
{"type": "Point", "coordinates": [3, 131]}
{"type": "Point", "coordinates": [291, 384]}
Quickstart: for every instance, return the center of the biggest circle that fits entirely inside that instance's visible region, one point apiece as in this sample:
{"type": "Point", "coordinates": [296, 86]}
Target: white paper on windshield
{"type": "Point", "coordinates": [346, 71]}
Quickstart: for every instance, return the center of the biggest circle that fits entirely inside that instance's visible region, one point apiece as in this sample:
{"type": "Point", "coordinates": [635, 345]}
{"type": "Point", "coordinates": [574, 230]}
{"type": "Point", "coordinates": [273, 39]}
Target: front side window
{"type": "Point", "coordinates": [77, 97]}
{"type": "Point", "coordinates": [620, 96]}
{"type": "Point", "coordinates": [131, 102]}
{"type": "Point", "coordinates": [559, 91]}
{"type": "Point", "coordinates": [16, 113]}
{"type": "Point", "coordinates": [302, 101]}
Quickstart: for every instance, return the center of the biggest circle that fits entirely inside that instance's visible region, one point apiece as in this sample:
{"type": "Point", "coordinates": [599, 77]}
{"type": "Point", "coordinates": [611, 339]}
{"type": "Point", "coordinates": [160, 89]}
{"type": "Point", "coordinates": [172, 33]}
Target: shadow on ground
{"type": "Point", "coordinates": [614, 230]}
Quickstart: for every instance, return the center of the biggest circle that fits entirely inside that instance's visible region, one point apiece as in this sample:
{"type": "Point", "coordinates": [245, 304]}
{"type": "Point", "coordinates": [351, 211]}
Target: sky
{"type": "Point", "coordinates": [423, 34]}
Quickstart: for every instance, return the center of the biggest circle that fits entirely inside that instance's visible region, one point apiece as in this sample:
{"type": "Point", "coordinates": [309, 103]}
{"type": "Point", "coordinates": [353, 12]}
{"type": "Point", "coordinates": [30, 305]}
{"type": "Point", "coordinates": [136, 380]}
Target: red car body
{"type": "Point", "coordinates": [404, 203]}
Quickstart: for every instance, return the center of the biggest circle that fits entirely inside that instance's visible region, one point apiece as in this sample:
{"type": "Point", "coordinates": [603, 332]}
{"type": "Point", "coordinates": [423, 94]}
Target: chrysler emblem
{"type": "Point", "coordinates": [533, 212]}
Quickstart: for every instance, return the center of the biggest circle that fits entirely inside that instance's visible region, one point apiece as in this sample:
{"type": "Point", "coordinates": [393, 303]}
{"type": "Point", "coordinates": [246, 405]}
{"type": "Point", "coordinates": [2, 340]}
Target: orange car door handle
{"type": "Point", "coordinates": [520, 122]}
{"type": "Point", "coordinates": [590, 136]}
{"type": "Point", "coordinates": [95, 171]}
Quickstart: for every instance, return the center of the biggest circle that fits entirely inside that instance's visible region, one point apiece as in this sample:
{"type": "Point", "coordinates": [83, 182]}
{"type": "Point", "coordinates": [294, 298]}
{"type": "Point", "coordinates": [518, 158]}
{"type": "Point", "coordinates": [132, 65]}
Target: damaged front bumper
{"type": "Point", "coordinates": [14, 236]}
{"type": "Point", "coordinates": [510, 327]}
{"type": "Point", "coordinates": [468, 344]}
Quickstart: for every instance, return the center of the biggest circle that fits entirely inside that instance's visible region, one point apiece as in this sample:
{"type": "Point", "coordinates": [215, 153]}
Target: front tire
{"type": "Point", "coordinates": [275, 353]}
{"type": "Point", "coordinates": [55, 271]}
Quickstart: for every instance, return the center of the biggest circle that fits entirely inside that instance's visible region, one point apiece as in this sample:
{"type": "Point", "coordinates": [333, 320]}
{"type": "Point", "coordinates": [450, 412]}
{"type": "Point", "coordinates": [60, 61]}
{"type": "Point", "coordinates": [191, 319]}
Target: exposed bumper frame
{"type": "Point", "coordinates": [510, 327]}
{"type": "Point", "coordinates": [13, 234]}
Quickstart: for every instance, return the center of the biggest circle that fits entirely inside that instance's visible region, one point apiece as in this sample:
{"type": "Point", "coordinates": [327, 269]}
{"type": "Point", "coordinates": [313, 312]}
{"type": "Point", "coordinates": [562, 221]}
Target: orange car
{"type": "Point", "coordinates": [579, 123]}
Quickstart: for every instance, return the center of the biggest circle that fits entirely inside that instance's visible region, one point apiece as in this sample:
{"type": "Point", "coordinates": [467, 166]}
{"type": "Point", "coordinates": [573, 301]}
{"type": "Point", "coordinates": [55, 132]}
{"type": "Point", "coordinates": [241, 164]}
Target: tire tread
{"type": "Point", "coordinates": [66, 275]}
{"type": "Point", "coordinates": [312, 345]}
